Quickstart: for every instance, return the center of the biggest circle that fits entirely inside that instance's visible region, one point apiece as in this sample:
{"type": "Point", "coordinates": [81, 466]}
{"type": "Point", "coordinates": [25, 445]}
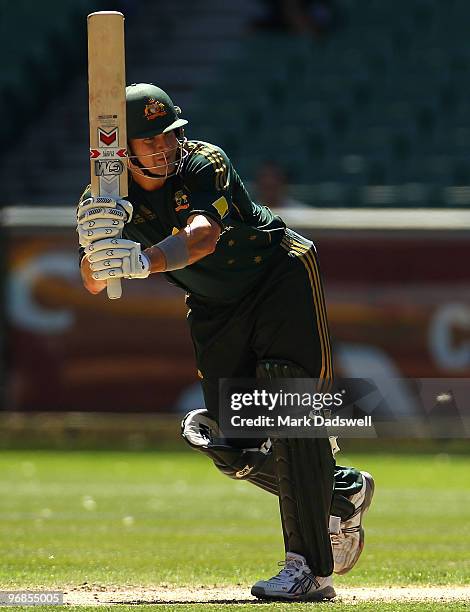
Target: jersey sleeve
{"type": "Point", "coordinates": [207, 178]}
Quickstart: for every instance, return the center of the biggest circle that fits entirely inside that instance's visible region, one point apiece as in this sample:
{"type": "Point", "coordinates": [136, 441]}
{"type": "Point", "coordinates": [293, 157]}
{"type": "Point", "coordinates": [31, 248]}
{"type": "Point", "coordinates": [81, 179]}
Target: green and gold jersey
{"type": "Point", "coordinates": [209, 184]}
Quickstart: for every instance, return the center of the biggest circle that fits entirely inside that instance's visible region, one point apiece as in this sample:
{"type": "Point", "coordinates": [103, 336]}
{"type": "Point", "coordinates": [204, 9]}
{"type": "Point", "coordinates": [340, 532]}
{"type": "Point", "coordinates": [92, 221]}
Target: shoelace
{"type": "Point", "coordinates": [337, 538]}
{"type": "Point", "coordinates": [351, 529]}
{"type": "Point", "coordinates": [289, 569]}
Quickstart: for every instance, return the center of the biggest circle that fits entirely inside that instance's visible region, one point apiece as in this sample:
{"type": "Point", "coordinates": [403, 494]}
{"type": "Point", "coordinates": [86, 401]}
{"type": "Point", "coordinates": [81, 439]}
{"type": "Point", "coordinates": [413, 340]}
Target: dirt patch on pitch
{"type": "Point", "coordinates": [98, 595]}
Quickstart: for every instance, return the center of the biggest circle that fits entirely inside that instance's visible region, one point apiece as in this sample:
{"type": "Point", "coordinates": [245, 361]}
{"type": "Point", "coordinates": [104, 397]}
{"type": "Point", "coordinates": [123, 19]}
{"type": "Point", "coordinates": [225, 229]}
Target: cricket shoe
{"type": "Point", "coordinates": [348, 543]}
{"type": "Point", "coordinates": [295, 582]}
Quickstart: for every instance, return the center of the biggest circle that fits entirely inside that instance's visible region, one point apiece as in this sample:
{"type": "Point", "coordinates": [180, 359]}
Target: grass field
{"type": "Point", "coordinates": [98, 520]}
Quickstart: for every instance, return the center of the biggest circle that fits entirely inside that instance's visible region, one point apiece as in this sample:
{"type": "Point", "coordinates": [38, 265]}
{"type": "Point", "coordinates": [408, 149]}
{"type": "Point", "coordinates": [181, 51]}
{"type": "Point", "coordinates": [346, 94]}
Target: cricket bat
{"type": "Point", "coordinates": [107, 111]}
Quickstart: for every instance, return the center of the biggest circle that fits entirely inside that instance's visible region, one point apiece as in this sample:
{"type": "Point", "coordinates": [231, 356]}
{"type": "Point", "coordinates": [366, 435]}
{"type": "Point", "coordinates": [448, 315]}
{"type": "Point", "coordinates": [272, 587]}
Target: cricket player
{"type": "Point", "coordinates": [255, 309]}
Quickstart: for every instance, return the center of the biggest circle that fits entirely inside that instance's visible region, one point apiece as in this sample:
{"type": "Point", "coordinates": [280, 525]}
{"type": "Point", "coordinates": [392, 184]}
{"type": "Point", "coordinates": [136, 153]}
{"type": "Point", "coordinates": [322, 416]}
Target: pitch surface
{"type": "Point", "coordinates": [166, 528]}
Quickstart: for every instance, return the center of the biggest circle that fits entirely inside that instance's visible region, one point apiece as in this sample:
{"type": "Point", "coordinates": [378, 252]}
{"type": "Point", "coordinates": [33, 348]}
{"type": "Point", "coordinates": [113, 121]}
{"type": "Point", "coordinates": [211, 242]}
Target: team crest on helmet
{"type": "Point", "coordinates": [154, 109]}
{"type": "Point", "coordinates": [181, 200]}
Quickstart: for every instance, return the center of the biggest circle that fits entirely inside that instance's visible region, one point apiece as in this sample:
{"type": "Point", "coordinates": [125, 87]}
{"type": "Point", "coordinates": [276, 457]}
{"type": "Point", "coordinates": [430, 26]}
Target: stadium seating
{"type": "Point", "coordinates": [374, 114]}
{"type": "Point", "coordinates": [41, 43]}
{"type": "Point", "coordinates": [383, 100]}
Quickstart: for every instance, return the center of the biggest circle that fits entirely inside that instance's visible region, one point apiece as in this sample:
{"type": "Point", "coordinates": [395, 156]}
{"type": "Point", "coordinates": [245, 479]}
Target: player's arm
{"type": "Point", "coordinates": [120, 258]}
{"type": "Point", "coordinates": [192, 243]}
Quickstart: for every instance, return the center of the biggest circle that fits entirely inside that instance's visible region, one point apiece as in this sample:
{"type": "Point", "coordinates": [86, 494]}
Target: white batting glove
{"type": "Point", "coordinates": [117, 258]}
{"type": "Point", "coordinates": [101, 217]}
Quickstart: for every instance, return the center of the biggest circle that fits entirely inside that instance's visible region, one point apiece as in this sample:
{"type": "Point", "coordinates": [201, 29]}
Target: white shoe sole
{"type": "Point", "coordinates": [324, 594]}
{"type": "Point", "coordinates": [369, 494]}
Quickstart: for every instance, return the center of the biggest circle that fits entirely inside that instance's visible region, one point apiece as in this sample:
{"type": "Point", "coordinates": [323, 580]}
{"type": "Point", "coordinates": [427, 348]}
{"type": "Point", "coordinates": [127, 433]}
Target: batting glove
{"type": "Point", "coordinates": [117, 258]}
{"type": "Point", "coordinates": [101, 217]}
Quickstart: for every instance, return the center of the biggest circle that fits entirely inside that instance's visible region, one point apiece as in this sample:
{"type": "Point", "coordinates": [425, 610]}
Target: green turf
{"type": "Point", "coordinates": [109, 518]}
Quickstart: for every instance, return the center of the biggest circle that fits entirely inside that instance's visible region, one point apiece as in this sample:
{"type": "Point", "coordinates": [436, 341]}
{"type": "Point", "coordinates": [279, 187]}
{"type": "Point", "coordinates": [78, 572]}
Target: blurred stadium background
{"type": "Point", "coordinates": [349, 117]}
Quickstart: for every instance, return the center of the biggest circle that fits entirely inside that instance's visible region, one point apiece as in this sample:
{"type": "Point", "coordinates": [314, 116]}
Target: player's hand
{"type": "Point", "coordinates": [101, 217]}
{"type": "Point", "coordinates": [117, 258]}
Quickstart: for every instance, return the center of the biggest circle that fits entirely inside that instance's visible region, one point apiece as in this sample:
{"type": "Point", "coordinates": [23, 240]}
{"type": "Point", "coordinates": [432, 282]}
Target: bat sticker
{"type": "Point", "coordinates": [109, 168]}
{"type": "Point", "coordinates": [108, 152]}
{"type": "Point", "coordinates": [107, 138]}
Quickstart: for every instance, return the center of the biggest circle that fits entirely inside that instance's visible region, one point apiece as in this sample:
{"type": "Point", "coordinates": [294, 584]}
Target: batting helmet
{"type": "Point", "coordinates": [151, 112]}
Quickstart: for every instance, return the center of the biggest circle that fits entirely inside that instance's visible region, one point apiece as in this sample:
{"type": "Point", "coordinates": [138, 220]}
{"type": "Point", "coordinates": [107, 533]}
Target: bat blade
{"type": "Point", "coordinates": [107, 111]}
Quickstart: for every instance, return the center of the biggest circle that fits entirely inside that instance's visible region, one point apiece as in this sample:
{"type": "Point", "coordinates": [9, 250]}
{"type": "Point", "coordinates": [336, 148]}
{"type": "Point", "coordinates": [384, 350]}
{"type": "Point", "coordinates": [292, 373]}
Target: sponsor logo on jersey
{"type": "Point", "coordinates": [154, 109]}
{"type": "Point", "coordinates": [181, 200]}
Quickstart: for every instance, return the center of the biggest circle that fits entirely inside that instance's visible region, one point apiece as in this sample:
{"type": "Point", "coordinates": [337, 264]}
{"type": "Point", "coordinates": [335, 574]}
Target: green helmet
{"type": "Point", "coordinates": [150, 111]}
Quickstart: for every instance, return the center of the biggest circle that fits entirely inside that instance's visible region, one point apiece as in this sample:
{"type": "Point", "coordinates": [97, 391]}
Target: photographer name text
{"type": "Point", "coordinates": [304, 421]}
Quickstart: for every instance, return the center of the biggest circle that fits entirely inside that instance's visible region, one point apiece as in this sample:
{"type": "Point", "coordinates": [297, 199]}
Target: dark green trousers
{"type": "Point", "coordinates": [283, 317]}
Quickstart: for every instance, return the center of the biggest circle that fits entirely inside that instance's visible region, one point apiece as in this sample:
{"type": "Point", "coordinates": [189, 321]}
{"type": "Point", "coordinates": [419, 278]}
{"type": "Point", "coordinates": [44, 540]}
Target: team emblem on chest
{"type": "Point", "coordinates": [181, 200]}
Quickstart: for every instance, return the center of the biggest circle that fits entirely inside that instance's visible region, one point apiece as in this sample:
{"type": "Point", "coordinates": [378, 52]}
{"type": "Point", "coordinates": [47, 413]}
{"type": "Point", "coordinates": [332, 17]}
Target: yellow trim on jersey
{"type": "Point", "coordinates": [304, 253]}
{"type": "Point", "coordinates": [328, 379]}
{"type": "Point", "coordinates": [217, 160]}
{"type": "Point", "coordinates": [323, 344]}
{"type": "Point", "coordinates": [238, 211]}
{"type": "Point", "coordinates": [220, 168]}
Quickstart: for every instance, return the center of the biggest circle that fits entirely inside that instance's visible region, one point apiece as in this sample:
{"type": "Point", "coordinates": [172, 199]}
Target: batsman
{"type": "Point", "coordinates": [255, 309]}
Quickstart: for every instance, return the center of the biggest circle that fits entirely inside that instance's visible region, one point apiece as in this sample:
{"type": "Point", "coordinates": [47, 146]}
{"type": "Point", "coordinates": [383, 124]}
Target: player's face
{"type": "Point", "coordinates": [157, 154]}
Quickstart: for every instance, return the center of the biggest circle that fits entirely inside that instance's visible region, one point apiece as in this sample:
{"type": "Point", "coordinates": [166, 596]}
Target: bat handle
{"type": "Point", "coordinates": [113, 287]}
